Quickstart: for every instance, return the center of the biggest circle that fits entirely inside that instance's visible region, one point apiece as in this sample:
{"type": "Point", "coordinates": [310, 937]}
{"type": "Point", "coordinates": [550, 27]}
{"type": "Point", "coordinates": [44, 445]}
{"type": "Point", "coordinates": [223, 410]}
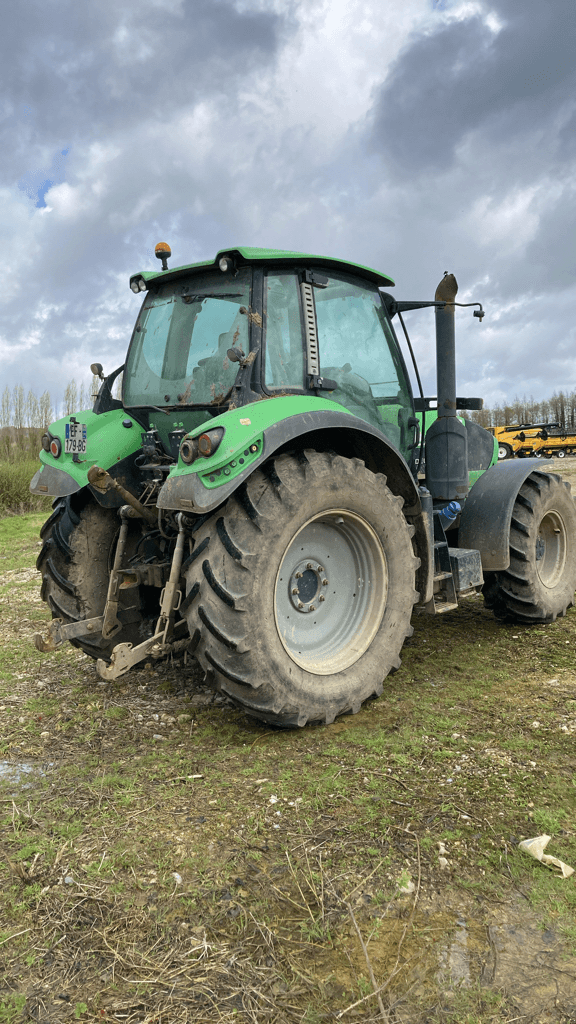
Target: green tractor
{"type": "Point", "coordinates": [254, 496]}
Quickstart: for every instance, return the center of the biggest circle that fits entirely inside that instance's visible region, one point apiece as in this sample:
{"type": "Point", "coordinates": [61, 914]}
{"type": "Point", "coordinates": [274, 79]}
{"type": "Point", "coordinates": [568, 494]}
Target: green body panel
{"type": "Point", "coordinates": [253, 255]}
{"type": "Point", "coordinates": [245, 427]}
{"type": "Point", "coordinates": [107, 442]}
{"type": "Point", "coordinates": [474, 475]}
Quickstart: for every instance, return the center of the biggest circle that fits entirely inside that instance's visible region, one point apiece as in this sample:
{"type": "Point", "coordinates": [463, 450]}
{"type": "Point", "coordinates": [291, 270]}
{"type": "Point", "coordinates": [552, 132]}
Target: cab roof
{"type": "Point", "coordinates": [250, 255]}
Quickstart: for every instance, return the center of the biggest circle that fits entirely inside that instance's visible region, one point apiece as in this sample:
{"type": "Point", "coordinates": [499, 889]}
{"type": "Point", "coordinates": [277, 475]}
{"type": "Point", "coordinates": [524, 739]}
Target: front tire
{"type": "Point", "coordinates": [540, 582]}
{"type": "Point", "coordinates": [300, 590]}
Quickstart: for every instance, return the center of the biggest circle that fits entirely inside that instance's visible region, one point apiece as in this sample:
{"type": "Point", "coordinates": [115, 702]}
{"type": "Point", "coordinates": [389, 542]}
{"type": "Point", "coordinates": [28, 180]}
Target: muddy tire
{"type": "Point", "coordinates": [300, 590]}
{"type": "Point", "coordinates": [540, 582]}
{"type": "Point", "coordinates": [505, 451]}
{"type": "Point", "coordinates": [75, 561]}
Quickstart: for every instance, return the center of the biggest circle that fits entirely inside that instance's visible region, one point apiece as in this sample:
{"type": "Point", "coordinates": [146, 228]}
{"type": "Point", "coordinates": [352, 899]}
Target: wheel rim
{"type": "Point", "coordinates": [327, 626]}
{"type": "Point", "coordinates": [551, 549]}
{"type": "Point", "coordinates": [502, 452]}
{"type": "Point", "coordinates": [561, 454]}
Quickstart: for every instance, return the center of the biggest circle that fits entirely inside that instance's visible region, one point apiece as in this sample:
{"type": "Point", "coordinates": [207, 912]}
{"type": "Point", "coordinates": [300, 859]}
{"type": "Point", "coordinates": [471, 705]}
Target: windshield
{"type": "Point", "coordinates": [184, 329]}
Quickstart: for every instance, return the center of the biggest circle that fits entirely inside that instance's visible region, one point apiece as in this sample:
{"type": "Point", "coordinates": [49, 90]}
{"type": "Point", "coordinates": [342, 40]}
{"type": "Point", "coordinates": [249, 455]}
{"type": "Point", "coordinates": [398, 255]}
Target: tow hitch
{"type": "Point", "coordinates": [164, 639]}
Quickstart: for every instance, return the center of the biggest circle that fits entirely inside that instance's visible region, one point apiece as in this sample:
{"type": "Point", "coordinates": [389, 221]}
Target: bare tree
{"type": "Point", "coordinates": [46, 411]}
{"type": "Point", "coordinates": [5, 423]}
{"type": "Point", "coordinates": [32, 411]}
{"type": "Point", "coordinates": [18, 410]}
{"type": "Point", "coordinates": [70, 398]}
{"type": "Point", "coordinates": [6, 408]}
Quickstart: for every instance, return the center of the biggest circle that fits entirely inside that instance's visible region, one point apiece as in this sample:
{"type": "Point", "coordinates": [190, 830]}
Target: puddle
{"type": "Point", "coordinates": [529, 964]}
{"type": "Point", "coordinates": [505, 951]}
{"type": "Point", "coordinates": [17, 774]}
{"type": "Point", "coordinates": [454, 966]}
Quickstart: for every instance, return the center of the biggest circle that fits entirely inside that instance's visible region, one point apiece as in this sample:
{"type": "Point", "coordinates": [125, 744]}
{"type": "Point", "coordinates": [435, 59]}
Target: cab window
{"type": "Point", "coordinates": [358, 350]}
{"type": "Point", "coordinates": [284, 363]}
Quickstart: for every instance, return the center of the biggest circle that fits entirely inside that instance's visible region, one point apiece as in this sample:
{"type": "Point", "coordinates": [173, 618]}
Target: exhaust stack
{"type": "Point", "coordinates": [446, 439]}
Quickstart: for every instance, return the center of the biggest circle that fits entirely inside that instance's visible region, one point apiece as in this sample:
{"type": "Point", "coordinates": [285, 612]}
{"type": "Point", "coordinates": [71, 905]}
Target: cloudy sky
{"type": "Point", "coordinates": [415, 137]}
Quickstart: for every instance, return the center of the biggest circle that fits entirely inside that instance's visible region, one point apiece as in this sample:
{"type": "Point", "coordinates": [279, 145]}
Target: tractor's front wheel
{"type": "Point", "coordinates": [539, 584]}
{"type": "Point", "coordinates": [300, 590]}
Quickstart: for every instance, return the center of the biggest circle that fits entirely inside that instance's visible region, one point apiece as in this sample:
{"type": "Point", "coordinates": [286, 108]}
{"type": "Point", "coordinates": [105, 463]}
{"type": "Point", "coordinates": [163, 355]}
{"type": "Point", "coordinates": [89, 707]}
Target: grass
{"type": "Point", "coordinates": [15, 477]}
{"type": "Point", "coordinates": [216, 874]}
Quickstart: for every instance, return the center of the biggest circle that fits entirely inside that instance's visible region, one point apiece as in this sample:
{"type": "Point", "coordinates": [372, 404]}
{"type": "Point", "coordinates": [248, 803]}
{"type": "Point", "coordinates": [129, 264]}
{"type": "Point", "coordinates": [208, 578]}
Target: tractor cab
{"type": "Point", "coordinates": [258, 324]}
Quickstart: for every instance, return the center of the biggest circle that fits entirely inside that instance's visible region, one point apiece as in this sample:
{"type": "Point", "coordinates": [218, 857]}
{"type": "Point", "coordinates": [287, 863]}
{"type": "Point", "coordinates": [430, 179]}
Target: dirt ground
{"type": "Point", "coordinates": [166, 859]}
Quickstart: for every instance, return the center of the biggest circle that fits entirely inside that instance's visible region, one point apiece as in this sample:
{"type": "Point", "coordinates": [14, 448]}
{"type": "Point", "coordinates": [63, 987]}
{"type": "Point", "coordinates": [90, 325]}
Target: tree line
{"type": "Point", "coordinates": [24, 416]}
{"type": "Point", "coordinates": [560, 408]}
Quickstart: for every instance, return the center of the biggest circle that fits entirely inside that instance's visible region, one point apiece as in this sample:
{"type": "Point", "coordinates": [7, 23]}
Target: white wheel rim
{"type": "Point", "coordinates": [331, 591]}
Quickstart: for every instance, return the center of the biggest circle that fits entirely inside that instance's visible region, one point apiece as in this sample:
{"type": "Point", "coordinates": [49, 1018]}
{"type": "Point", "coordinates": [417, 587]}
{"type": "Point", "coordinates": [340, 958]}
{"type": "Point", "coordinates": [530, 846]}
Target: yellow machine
{"type": "Point", "coordinates": [542, 440]}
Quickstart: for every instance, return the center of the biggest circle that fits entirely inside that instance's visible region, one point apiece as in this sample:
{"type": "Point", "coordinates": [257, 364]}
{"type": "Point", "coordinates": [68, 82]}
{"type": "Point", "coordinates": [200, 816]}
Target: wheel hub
{"type": "Point", "coordinates": [331, 591]}
{"type": "Point", "coordinates": [551, 549]}
{"type": "Point", "coordinates": [307, 586]}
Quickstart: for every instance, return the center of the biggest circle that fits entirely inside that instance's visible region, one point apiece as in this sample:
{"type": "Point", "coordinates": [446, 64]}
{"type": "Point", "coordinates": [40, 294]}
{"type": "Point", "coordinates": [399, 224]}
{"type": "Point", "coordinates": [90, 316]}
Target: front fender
{"type": "Point", "coordinates": [257, 431]}
{"type": "Point", "coordinates": [485, 520]}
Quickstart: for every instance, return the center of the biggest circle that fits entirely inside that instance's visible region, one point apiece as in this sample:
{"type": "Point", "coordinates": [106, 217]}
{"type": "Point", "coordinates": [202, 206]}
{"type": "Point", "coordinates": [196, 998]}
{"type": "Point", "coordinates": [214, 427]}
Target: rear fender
{"type": "Point", "coordinates": [114, 439]}
{"type": "Point", "coordinates": [485, 520]}
{"type": "Point", "coordinates": [270, 428]}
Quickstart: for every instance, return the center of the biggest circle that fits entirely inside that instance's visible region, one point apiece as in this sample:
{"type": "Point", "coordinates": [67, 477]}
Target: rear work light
{"type": "Point", "coordinates": [209, 441]}
{"type": "Point", "coordinates": [189, 450]}
{"type": "Point", "coordinates": [206, 444]}
{"type": "Point", "coordinates": [138, 284]}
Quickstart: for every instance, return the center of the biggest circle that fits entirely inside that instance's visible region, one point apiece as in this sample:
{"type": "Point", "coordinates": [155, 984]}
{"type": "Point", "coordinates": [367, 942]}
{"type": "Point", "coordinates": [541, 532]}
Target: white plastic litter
{"type": "Point", "coordinates": [535, 847]}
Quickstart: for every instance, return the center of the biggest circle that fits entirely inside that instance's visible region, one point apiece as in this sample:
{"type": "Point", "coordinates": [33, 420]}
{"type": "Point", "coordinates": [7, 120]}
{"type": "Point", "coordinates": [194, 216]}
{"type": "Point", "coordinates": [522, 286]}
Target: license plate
{"type": "Point", "coordinates": [75, 443]}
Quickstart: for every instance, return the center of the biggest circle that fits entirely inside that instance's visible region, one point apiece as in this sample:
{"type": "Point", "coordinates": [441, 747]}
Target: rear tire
{"type": "Point", "coordinates": [75, 562]}
{"type": "Point", "coordinates": [540, 582]}
{"type": "Point", "coordinates": [300, 590]}
{"type": "Point", "coordinates": [505, 451]}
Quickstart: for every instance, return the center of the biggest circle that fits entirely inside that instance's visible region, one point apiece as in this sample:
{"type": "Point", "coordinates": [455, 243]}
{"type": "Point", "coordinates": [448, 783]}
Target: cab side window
{"type": "Point", "coordinates": [358, 351]}
{"type": "Point", "coordinates": [284, 349]}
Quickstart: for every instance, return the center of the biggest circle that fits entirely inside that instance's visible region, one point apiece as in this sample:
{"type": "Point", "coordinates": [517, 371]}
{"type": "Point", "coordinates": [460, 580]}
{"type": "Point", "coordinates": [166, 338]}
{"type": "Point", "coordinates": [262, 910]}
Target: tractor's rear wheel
{"type": "Point", "coordinates": [75, 562]}
{"type": "Point", "coordinates": [505, 451]}
{"type": "Point", "coordinates": [540, 582]}
{"type": "Point", "coordinates": [300, 590]}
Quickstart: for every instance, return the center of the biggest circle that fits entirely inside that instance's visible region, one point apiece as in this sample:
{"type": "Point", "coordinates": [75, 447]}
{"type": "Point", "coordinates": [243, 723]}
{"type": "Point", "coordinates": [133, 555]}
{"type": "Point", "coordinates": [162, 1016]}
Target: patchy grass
{"type": "Point", "coordinates": [165, 858]}
{"type": "Point", "coordinates": [15, 497]}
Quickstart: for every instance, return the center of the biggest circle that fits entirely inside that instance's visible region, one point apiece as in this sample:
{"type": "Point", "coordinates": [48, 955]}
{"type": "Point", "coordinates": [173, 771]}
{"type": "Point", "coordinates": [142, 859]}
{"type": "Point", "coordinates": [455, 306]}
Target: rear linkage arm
{"type": "Point", "coordinates": [124, 656]}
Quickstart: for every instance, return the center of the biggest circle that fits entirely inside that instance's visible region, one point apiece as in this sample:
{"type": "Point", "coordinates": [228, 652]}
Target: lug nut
{"type": "Point", "coordinates": [321, 598]}
{"type": "Point", "coordinates": [298, 575]}
{"type": "Point", "coordinates": [294, 590]}
{"type": "Point", "coordinates": [308, 565]}
{"type": "Point", "coordinates": [320, 568]}
{"type": "Point", "coordinates": [311, 608]}
{"type": "Point", "coordinates": [324, 583]}
{"type": "Point", "coordinates": [300, 605]}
